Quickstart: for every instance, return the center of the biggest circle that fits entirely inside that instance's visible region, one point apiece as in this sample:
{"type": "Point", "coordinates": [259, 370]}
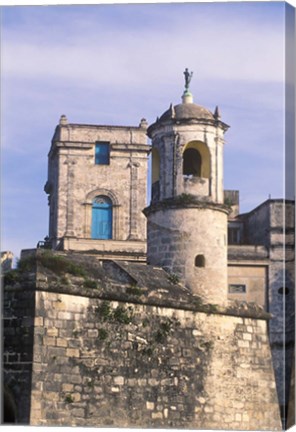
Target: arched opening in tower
{"type": "Point", "coordinates": [196, 160]}
{"type": "Point", "coordinates": [9, 410]}
{"type": "Point", "coordinates": [155, 174]}
{"type": "Point", "coordinates": [192, 162]}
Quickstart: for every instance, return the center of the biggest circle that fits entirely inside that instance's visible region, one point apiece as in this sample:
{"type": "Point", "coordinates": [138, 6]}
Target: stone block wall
{"type": "Point", "coordinates": [176, 237]}
{"type": "Point", "coordinates": [257, 225]}
{"type": "Point", "coordinates": [254, 278]}
{"type": "Point", "coordinates": [106, 363]}
{"type": "Point", "coordinates": [18, 335]}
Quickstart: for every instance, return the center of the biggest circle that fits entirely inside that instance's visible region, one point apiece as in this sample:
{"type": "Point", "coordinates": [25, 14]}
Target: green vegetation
{"type": "Point", "coordinates": [147, 351]}
{"type": "Point", "coordinates": [186, 198]}
{"type": "Point", "coordinates": [11, 277]}
{"type": "Point", "coordinates": [27, 264]}
{"type": "Point", "coordinates": [228, 202]}
{"type": "Point", "coordinates": [120, 315]}
{"type": "Point", "coordinates": [69, 398]}
{"type": "Point", "coordinates": [134, 290]}
{"type": "Point", "coordinates": [104, 311]}
{"type": "Point", "coordinates": [103, 334]}
{"type": "Point", "coordinates": [197, 301]}
{"type": "Point", "coordinates": [145, 322]}
{"type": "Point", "coordinates": [56, 263]}
{"type": "Point", "coordinates": [90, 283]}
{"type": "Point", "coordinates": [64, 280]}
{"type": "Point", "coordinates": [173, 278]}
{"type": "Point", "coordinates": [59, 264]}
{"type": "Point", "coordinates": [165, 328]}
{"type": "Point", "coordinates": [211, 308]}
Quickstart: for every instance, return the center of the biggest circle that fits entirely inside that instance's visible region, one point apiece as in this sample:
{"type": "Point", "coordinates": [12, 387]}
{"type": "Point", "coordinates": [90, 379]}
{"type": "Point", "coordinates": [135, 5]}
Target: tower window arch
{"type": "Point", "coordinates": [102, 218]}
{"type": "Point", "coordinates": [200, 261]}
{"type": "Point", "coordinates": [155, 174]}
{"type": "Point", "coordinates": [192, 162]}
{"type": "Point", "coordinates": [283, 291]}
{"type": "Point", "coordinates": [9, 416]}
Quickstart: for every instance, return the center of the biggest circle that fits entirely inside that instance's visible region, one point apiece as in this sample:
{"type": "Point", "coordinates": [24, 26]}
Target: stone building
{"type": "Point", "coordinates": [187, 199]}
{"type": "Point", "coordinates": [95, 335]}
{"type": "Point", "coordinates": [97, 182]}
{"type": "Point", "coordinates": [261, 269]}
{"type": "Point", "coordinates": [6, 261]}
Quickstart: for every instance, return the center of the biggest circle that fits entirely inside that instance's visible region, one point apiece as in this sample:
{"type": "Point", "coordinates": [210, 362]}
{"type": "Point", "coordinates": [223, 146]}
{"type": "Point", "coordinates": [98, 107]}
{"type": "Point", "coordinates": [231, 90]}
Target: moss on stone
{"type": "Point", "coordinates": [134, 290]}
{"type": "Point", "coordinates": [11, 277]}
{"type": "Point", "coordinates": [90, 283]}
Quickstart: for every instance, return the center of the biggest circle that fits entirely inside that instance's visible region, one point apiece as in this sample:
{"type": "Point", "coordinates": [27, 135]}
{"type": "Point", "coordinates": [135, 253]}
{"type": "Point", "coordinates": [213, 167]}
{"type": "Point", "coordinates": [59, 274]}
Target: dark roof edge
{"type": "Point", "coordinates": [103, 126]}
{"type": "Point", "coordinates": [264, 203]}
{"type": "Point", "coordinates": [167, 304]}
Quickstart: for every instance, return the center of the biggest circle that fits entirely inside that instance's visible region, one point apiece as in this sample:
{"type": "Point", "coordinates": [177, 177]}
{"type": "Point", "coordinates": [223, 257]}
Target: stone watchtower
{"type": "Point", "coordinates": [187, 220]}
{"type": "Point", "coordinates": [97, 180]}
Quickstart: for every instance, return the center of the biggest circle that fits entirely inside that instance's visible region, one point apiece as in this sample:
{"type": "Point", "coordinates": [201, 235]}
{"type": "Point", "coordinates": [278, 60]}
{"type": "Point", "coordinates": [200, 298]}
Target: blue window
{"type": "Point", "coordinates": [102, 156]}
{"type": "Point", "coordinates": [101, 227]}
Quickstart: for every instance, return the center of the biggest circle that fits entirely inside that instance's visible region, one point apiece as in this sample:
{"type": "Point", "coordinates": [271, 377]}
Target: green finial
{"type": "Point", "coordinates": [188, 77]}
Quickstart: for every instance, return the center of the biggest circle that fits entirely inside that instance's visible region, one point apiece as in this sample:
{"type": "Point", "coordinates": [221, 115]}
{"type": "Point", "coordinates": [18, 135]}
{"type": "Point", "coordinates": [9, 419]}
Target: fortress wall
{"type": "Point", "coordinates": [18, 334]}
{"type": "Point", "coordinates": [100, 363]}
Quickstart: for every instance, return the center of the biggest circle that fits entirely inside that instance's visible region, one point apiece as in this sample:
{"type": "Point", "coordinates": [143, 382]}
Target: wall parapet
{"type": "Point", "coordinates": [83, 275]}
{"type": "Point", "coordinates": [254, 252]}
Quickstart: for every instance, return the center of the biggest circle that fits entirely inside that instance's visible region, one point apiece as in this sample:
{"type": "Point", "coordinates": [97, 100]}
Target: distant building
{"type": "Point", "coordinates": [261, 269]}
{"type": "Point", "coordinates": [6, 261]}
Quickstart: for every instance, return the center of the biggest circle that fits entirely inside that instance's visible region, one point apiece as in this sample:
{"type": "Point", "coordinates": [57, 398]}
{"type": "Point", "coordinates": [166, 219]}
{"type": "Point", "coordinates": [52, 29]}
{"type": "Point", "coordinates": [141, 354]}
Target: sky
{"type": "Point", "coordinates": [115, 64]}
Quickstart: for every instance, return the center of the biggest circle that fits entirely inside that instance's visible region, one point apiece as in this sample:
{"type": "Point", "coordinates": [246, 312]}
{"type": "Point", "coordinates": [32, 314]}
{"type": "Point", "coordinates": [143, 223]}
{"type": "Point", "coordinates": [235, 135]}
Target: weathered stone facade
{"type": "Point", "coordinates": [187, 218]}
{"type": "Point", "coordinates": [76, 178]}
{"type": "Point", "coordinates": [173, 234]}
{"type": "Point", "coordinates": [136, 350]}
{"type": "Point", "coordinates": [6, 261]}
{"type": "Point", "coordinates": [267, 243]}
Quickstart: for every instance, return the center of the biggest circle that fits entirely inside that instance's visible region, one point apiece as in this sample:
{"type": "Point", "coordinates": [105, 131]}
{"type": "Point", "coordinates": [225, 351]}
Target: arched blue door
{"type": "Point", "coordinates": [101, 227]}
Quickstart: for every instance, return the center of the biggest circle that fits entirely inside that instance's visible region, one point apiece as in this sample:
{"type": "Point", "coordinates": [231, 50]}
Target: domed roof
{"type": "Point", "coordinates": [187, 111]}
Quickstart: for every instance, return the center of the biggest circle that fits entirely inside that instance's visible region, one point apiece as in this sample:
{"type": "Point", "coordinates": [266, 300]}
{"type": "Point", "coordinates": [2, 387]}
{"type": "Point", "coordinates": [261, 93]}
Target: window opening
{"type": "Point", "coordinates": [102, 218]}
{"type": "Point", "coordinates": [200, 261]}
{"type": "Point", "coordinates": [102, 153]}
{"type": "Point", "coordinates": [233, 236]}
{"type": "Point", "coordinates": [192, 162]}
{"type": "Point", "coordinates": [283, 290]}
{"type": "Point", "coordinates": [237, 289]}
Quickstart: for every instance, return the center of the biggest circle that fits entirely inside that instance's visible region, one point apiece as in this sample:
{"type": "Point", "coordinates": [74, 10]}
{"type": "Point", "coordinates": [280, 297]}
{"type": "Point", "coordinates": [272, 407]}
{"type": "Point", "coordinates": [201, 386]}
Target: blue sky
{"type": "Point", "coordinates": [114, 64]}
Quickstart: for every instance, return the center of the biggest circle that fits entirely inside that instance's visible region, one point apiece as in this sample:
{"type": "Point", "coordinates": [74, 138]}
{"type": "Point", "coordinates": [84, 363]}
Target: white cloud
{"type": "Point", "coordinates": [104, 55]}
{"type": "Point", "coordinates": [115, 65]}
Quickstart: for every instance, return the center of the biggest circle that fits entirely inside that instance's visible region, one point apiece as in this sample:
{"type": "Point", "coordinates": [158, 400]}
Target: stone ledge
{"type": "Point", "coordinates": [121, 281]}
{"type": "Point", "coordinates": [185, 201]}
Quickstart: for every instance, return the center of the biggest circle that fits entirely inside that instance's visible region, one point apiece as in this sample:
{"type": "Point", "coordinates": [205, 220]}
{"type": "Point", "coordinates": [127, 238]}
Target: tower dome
{"type": "Point", "coordinates": [187, 219]}
{"type": "Point", "coordinates": [187, 111]}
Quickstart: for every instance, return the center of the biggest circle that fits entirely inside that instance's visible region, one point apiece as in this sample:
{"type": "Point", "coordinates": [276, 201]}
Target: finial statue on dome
{"type": "Point", "coordinates": [187, 96]}
{"type": "Point", "coordinates": [188, 77]}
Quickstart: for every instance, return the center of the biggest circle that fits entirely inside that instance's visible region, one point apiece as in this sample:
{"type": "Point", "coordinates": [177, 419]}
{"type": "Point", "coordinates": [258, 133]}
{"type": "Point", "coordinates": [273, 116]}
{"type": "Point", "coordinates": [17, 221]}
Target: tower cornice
{"type": "Point", "coordinates": [185, 201]}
